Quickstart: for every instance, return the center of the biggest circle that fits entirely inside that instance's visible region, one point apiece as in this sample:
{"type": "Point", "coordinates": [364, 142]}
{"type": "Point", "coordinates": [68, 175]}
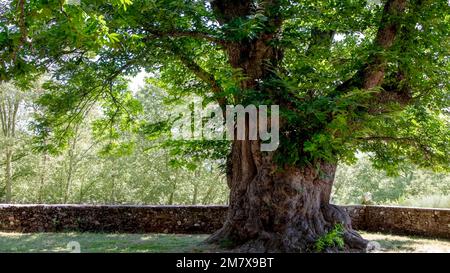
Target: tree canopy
{"type": "Point", "coordinates": [330, 49]}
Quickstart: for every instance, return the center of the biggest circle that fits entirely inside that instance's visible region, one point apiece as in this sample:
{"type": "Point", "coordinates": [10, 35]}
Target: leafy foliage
{"type": "Point", "coordinates": [334, 238]}
{"type": "Point", "coordinates": [97, 169]}
{"type": "Point", "coordinates": [160, 172]}
{"type": "Point", "coordinates": [408, 187]}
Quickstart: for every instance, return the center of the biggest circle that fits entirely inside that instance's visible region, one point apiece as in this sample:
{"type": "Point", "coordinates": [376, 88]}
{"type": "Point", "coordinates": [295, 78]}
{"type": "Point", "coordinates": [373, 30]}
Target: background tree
{"type": "Point", "coordinates": [91, 170]}
{"type": "Point", "coordinates": [411, 187]}
{"type": "Point", "coordinates": [11, 101]}
{"type": "Point", "coordinates": [147, 175]}
{"type": "Point", "coordinates": [348, 75]}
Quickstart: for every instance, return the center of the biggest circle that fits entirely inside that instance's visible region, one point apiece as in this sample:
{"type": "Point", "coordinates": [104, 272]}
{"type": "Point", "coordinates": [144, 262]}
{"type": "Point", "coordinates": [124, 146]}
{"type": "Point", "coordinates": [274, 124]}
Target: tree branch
{"type": "Point", "coordinates": [190, 64]}
{"type": "Point", "coordinates": [201, 73]}
{"type": "Point", "coordinates": [320, 39]}
{"type": "Point", "coordinates": [186, 33]}
{"type": "Point", "coordinates": [22, 27]}
{"type": "Point", "coordinates": [387, 138]}
{"type": "Point", "coordinates": [372, 74]}
{"type": "Point", "coordinates": [407, 140]}
{"type": "Point", "coordinates": [227, 10]}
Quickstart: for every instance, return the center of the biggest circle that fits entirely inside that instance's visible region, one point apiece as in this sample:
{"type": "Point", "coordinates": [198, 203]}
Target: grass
{"type": "Point", "coordinates": [408, 244]}
{"type": "Point", "coordinates": [94, 242]}
{"type": "Point", "coordinates": [148, 243]}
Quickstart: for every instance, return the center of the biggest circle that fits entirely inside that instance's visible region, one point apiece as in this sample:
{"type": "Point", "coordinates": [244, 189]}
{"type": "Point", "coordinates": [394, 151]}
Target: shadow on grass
{"type": "Point", "coordinates": [396, 245]}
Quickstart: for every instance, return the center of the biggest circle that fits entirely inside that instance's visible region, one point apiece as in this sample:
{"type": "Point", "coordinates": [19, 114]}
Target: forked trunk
{"type": "Point", "coordinates": [281, 210]}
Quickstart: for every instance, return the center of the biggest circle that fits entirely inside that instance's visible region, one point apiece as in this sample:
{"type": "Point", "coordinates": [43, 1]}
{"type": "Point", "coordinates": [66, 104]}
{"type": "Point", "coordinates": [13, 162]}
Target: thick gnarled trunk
{"type": "Point", "coordinates": [280, 210]}
{"type": "Point", "coordinates": [274, 208]}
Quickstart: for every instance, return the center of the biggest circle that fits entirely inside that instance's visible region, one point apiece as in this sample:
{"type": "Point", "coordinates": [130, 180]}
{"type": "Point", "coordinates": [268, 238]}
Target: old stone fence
{"type": "Point", "coordinates": [200, 219]}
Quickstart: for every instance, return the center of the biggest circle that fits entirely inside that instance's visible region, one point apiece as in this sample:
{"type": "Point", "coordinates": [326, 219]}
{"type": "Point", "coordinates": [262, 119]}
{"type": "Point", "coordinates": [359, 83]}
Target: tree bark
{"type": "Point", "coordinates": [274, 208]}
{"type": "Point", "coordinates": [287, 210]}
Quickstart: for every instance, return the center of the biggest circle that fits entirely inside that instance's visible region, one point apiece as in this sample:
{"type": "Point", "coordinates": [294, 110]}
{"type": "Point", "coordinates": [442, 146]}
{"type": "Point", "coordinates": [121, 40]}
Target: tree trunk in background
{"type": "Point", "coordinates": [9, 106]}
{"type": "Point", "coordinates": [172, 193]}
{"type": "Point", "coordinates": [207, 197]}
{"type": "Point", "coordinates": [280, 210]}
{"type": "Point", "coordinates": [8, 174]}
{"type": "Point", "coordinates": [43, 176]}
{"type": "Point", "coordinates": [70, 171]}
{"type": "Point", "coordinates": [195, 195]}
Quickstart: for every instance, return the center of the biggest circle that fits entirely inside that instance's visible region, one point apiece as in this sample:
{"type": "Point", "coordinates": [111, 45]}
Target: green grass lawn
{"type": "Point", "coordinates": [92, 242]}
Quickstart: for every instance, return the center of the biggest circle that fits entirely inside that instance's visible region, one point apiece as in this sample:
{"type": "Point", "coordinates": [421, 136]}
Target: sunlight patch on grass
{"type": "Point", "coordinates": [408, 244]}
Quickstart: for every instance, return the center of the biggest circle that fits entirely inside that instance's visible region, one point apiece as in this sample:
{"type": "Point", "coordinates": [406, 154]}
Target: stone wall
{"type": "Point", "coordinates": [128, 219]}
{"type": "Point", "coordinates": [408, 221]}
{"type": "Point", "coordinates": [200, 219]}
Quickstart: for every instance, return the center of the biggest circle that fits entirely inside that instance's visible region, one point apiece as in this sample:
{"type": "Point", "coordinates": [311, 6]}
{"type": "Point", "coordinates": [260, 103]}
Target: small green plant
{"type": "Point", "coordinates": [334, 238]}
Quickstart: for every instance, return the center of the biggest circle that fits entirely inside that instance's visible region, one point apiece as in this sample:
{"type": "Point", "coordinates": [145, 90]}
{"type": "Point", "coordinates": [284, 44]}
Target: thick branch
{"type": "Point", "coordinates": [372, 74]}
{"type": "Point", "coordinates": [22, 27]}
{"type": "Point", "coordinates": [227, 10]}
{"type": "Point", "coordinates": [256, 56]}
